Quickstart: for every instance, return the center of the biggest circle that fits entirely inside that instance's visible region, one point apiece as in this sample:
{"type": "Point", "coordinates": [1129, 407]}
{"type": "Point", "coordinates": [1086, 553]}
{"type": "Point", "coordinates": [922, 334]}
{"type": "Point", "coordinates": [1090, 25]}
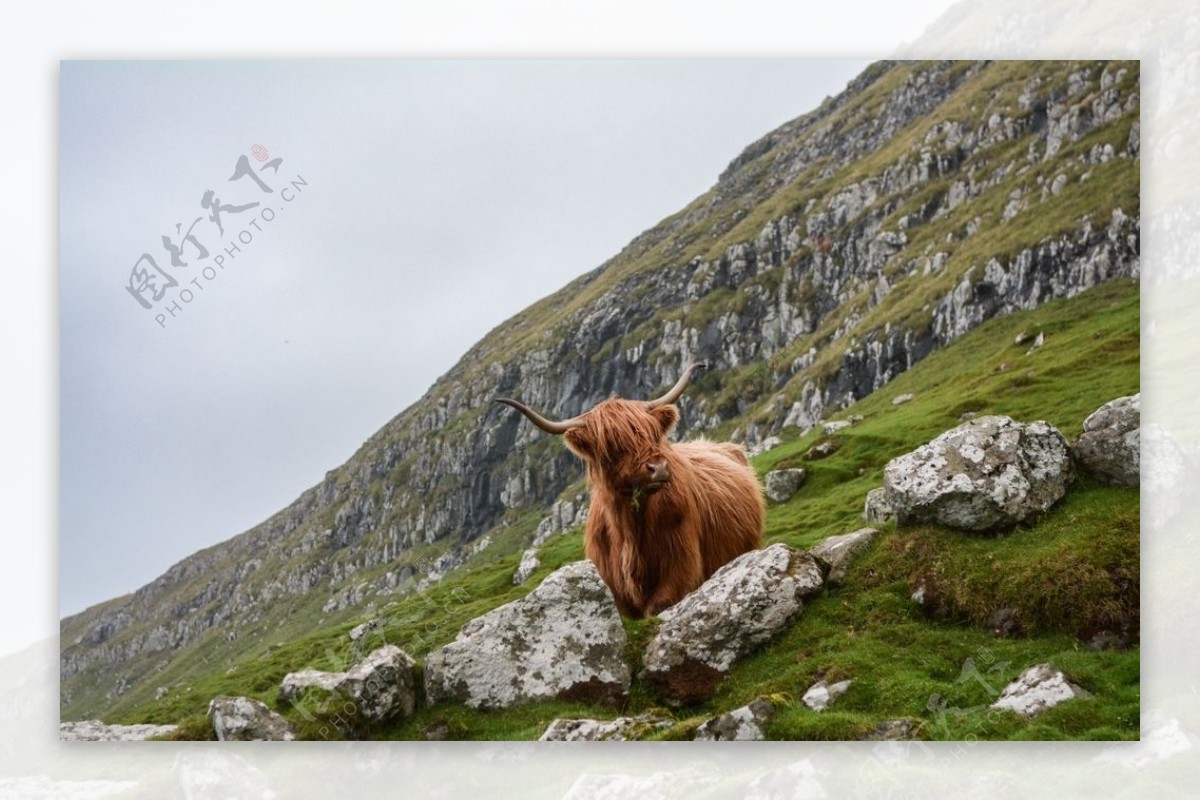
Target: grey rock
{"type": "Point", "coordinates": [563, 640]}
{"type": "Point", "coordinates": [529, 565]}
{"type": "Point", "coordinates": [902, 398]}
{"type": "Point", "coordinates": [742, 606]}
{"type": "Point", "coordinates": [1037, 689]}
{"type": "Point", "coordinates": [840, 550]}
{"type": "Point", "coordinates": [1109, 446]}
{"type": "Point", "coordinates": [625, 728]}
{"type": "Point", "coordinates": [782, 484]}
{"type": "Point", "coordinates": [361, 630]}
{"type": "Point", "coordinates": [1038, 341]}
{"type": "Point", "coordinates": [834, 426]}
{"type": "Point", "coordinates": [764, 446]}
{"type": "Point", "coordinates": [241, 718]}
{"type": "Point", "coordinates": [295, 684]}
{"type": "Point", "coordinates": [98, 731]}
{"type": "Point", "coordinates": [819, 696]}
{"type": "Point", "coordinates": [876, 508]}
{"type": "Point", "coordinates": [743, 723]}
{"type": "Point", "coordinates": [380, 687]}
{"type": "Point", "coordinates": [823, 450]}
{"type": "Point", "coordinates": [991, 472]}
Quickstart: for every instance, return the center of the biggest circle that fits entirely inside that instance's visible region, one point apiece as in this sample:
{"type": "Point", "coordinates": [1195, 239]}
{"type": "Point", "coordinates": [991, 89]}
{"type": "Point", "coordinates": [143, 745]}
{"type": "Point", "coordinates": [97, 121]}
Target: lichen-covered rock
{"type": "Point", "coordinates": [819, 696]}
{"type": "Point", "coordinates": [98, 731]}
{"type": "Point", "coordinates": [363, 629]}
{"type": "Point", "coordinates": [241, 718]}
{"type": "Point", "coordinates": [297, 683]}
{"type": "Point", "coordinates": [529, 565]}
{"type": "Point", "coordinates": [989, 473]}
{"type": "Point", "coordinates": [876, 508]}
{"type": "Point", "coordinates": [1109, 446]}
{"type": "Point", "coordinates": [740, 607]}
{"type": "Point", "coordinates": [822, 450]}
{"type": "Point", "coordinates": [626, 728]}
{"type": "Point", "coordinates": [743, 723]}
{"type": "Point", "coordinates": [839, 551]}
{"type": "Point", "coordinates": [1037, 689]}
{"type": "Point", "coordinates": [563, 640]}
{"type": "Point", "coordinates": [782, 484]}
{"type": "Point", "coordinates": [380, 687]}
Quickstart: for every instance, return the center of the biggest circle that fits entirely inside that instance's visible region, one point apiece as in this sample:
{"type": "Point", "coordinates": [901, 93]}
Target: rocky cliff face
{"type": "Point", "coordinates": [830, 256]}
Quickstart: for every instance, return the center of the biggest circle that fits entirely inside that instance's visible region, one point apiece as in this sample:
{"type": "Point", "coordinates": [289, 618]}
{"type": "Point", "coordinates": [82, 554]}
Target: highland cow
{"type": "Point", "coordinates": [664, 516]}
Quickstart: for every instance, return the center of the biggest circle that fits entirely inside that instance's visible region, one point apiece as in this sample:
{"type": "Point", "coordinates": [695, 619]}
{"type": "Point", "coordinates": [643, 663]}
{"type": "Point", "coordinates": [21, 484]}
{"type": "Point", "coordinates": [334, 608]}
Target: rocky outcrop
{"type": "Point", "coordinates": [743, 723]}
{"type": "Point", "coordinates": [1037, 689]}
{"type": "Point", "coordinates": [628, 728]}
{"type": "Point", "coordinates": [781, 485]}
{"type": "Point", "coordinates": [741, 607]}
{"type": "Point", "coordinates": [563, 640]}
{"type": "Point", "coordinates": [240, 718]}
{"type": "Point", "coordinates": [97, 731]}
{"type": "Point", "coordinates": [840, 550]}
{"type": "Point", "coordinates": [876, 508]}
{"type": "Point", "coordinates": [989, 473]}
{"type": "Point", "coordinates": [1110, 445]}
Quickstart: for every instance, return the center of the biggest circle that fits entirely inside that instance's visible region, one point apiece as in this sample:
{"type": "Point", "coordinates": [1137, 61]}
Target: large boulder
{"type": "Point", "coordinates": [1109, 445]}
{"type": "Point", "coordinates": [1037, 689]}
{"type": "Point", "coordinates": [563, 640]}
{"type": "Point", "coordinates": [840, 550]}
{"type": "Point", "coordinates": [241, 718]}
{"type": "Point", "coordinates": [380, 687]}
{"type": "Point", "coordinates": [740, 607]}
{"type": "Point", "coordinates": [297, 683]}
{"type": "Point", "coordinates": [627, 728]}
{"type": "Point", "coordinates": [989, 473]}
{"type": "Point", "coordinates": [782, 484]}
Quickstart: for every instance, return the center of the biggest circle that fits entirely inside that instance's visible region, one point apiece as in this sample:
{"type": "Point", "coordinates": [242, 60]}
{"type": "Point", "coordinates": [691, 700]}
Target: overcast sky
{"type": "Point", "coordinates": [435, 200]}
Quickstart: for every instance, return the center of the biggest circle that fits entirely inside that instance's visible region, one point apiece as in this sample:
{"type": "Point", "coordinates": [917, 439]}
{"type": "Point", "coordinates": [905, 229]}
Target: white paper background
{"type": "Point", "coordinates": [1164, 35]}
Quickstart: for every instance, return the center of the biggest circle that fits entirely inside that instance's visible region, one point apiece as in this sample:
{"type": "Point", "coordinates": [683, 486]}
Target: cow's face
{"type": "Point", "coordinates": [625, 446]}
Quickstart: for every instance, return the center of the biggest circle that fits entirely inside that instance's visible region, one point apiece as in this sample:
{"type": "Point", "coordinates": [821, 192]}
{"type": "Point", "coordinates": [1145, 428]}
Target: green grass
{"type": "Point", "coordinates": [1072, 572]}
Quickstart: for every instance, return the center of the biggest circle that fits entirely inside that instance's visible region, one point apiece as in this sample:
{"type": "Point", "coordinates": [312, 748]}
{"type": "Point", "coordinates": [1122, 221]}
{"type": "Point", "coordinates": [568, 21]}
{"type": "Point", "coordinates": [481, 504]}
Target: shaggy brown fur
{"type": "Point", "coordinates": [664, 516]}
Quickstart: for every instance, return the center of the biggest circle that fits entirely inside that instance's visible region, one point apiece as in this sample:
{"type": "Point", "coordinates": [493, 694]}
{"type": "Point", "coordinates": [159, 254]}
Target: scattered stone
{"type": "Point", "coordinates": [1109, 447]}
{"type": "Point", "coordinates": [1021, 338]}
{"type": "Point", "coordinates": [98, 731]}
{"type": "Point", "coordinates": [1059, 183]}
{"type": "Point", "coordinates": [897, 729]}
{"type": "Point", "coordinates": [835, 426]}
{"type": "Point", "coordinates": [563, 640]}
{"type": "Point", "coordinates": [1037, 689]}
{"type": "Point", "coordinates": [838, 551]}
{"type": "Point", "coordinates": [529, 565]}
{"type": "Point", "coordinates": [1038, 341]}
{"type": "Point", "coordinates": [160, 693]}
{"type": "Point", "coordinates": [634, 728]}
{"type": "Point", "coordinates": [296, 684]}
{"type": "Point", "coordinates": [904, 398]}
{"type": "Point", "coordinates": [822, 450]}
{"type": "Point", "coordinates": [361, 630]}
{"type": "Point", "coordinates": [876, 509]}
{"type": "Point", "coordinates": [989, 473]}
{"type": "Point", "coordinates": [743, 723]}
{"type": "Point", "coordinates": [782, 484]}
{"type": "Point", "coordinates": [819, 696]}
{"type": "Point", "coordinates": [241, 718]}
{"type": "Point", "coordinates": [742, 606]}
{"type": "Point", "coordinates": [764, 446]}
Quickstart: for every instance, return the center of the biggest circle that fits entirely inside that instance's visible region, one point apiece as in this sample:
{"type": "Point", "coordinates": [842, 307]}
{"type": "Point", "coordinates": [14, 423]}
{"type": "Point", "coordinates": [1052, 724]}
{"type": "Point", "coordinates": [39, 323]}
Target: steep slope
{"type": "Point", "coordinates": [830, 256]}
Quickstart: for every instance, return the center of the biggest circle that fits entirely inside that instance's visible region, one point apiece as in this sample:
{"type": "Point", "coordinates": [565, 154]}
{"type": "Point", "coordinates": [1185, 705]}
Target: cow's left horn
{"type": "Point", "coordinates": [680, 386]}
{"type": "Point", "coordinates": [549, 426]}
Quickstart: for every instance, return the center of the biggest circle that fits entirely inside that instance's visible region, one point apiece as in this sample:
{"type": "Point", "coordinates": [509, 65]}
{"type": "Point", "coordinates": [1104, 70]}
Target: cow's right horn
{"type": "Point", "coordinates": [680, 385]}
{"type": "Point", "coordinates": [549, 426]}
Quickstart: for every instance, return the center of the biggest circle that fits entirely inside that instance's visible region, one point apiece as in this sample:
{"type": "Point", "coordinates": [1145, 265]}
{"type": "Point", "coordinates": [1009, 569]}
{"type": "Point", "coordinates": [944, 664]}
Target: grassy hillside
{"type": "Point", "coordinates": [1072, 573]}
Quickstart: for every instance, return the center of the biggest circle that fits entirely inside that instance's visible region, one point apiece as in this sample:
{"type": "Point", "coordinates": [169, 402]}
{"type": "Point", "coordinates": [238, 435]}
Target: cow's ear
{"type": "Point", "coordinates": [578, 441]}
{"type": "Point", "coordinates": [667, 416]}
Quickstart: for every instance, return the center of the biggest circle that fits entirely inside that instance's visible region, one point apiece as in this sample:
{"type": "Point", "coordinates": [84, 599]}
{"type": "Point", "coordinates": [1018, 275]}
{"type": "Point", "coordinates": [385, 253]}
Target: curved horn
{"type": "Point", "coordinates": [680, 385]}
{"type": "Point", "coordinates": [549, 426]}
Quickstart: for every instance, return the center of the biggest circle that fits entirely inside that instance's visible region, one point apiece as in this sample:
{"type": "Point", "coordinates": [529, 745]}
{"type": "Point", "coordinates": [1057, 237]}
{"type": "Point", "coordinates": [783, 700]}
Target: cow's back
{"type": "Point", "coordinates": [729, 500]}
